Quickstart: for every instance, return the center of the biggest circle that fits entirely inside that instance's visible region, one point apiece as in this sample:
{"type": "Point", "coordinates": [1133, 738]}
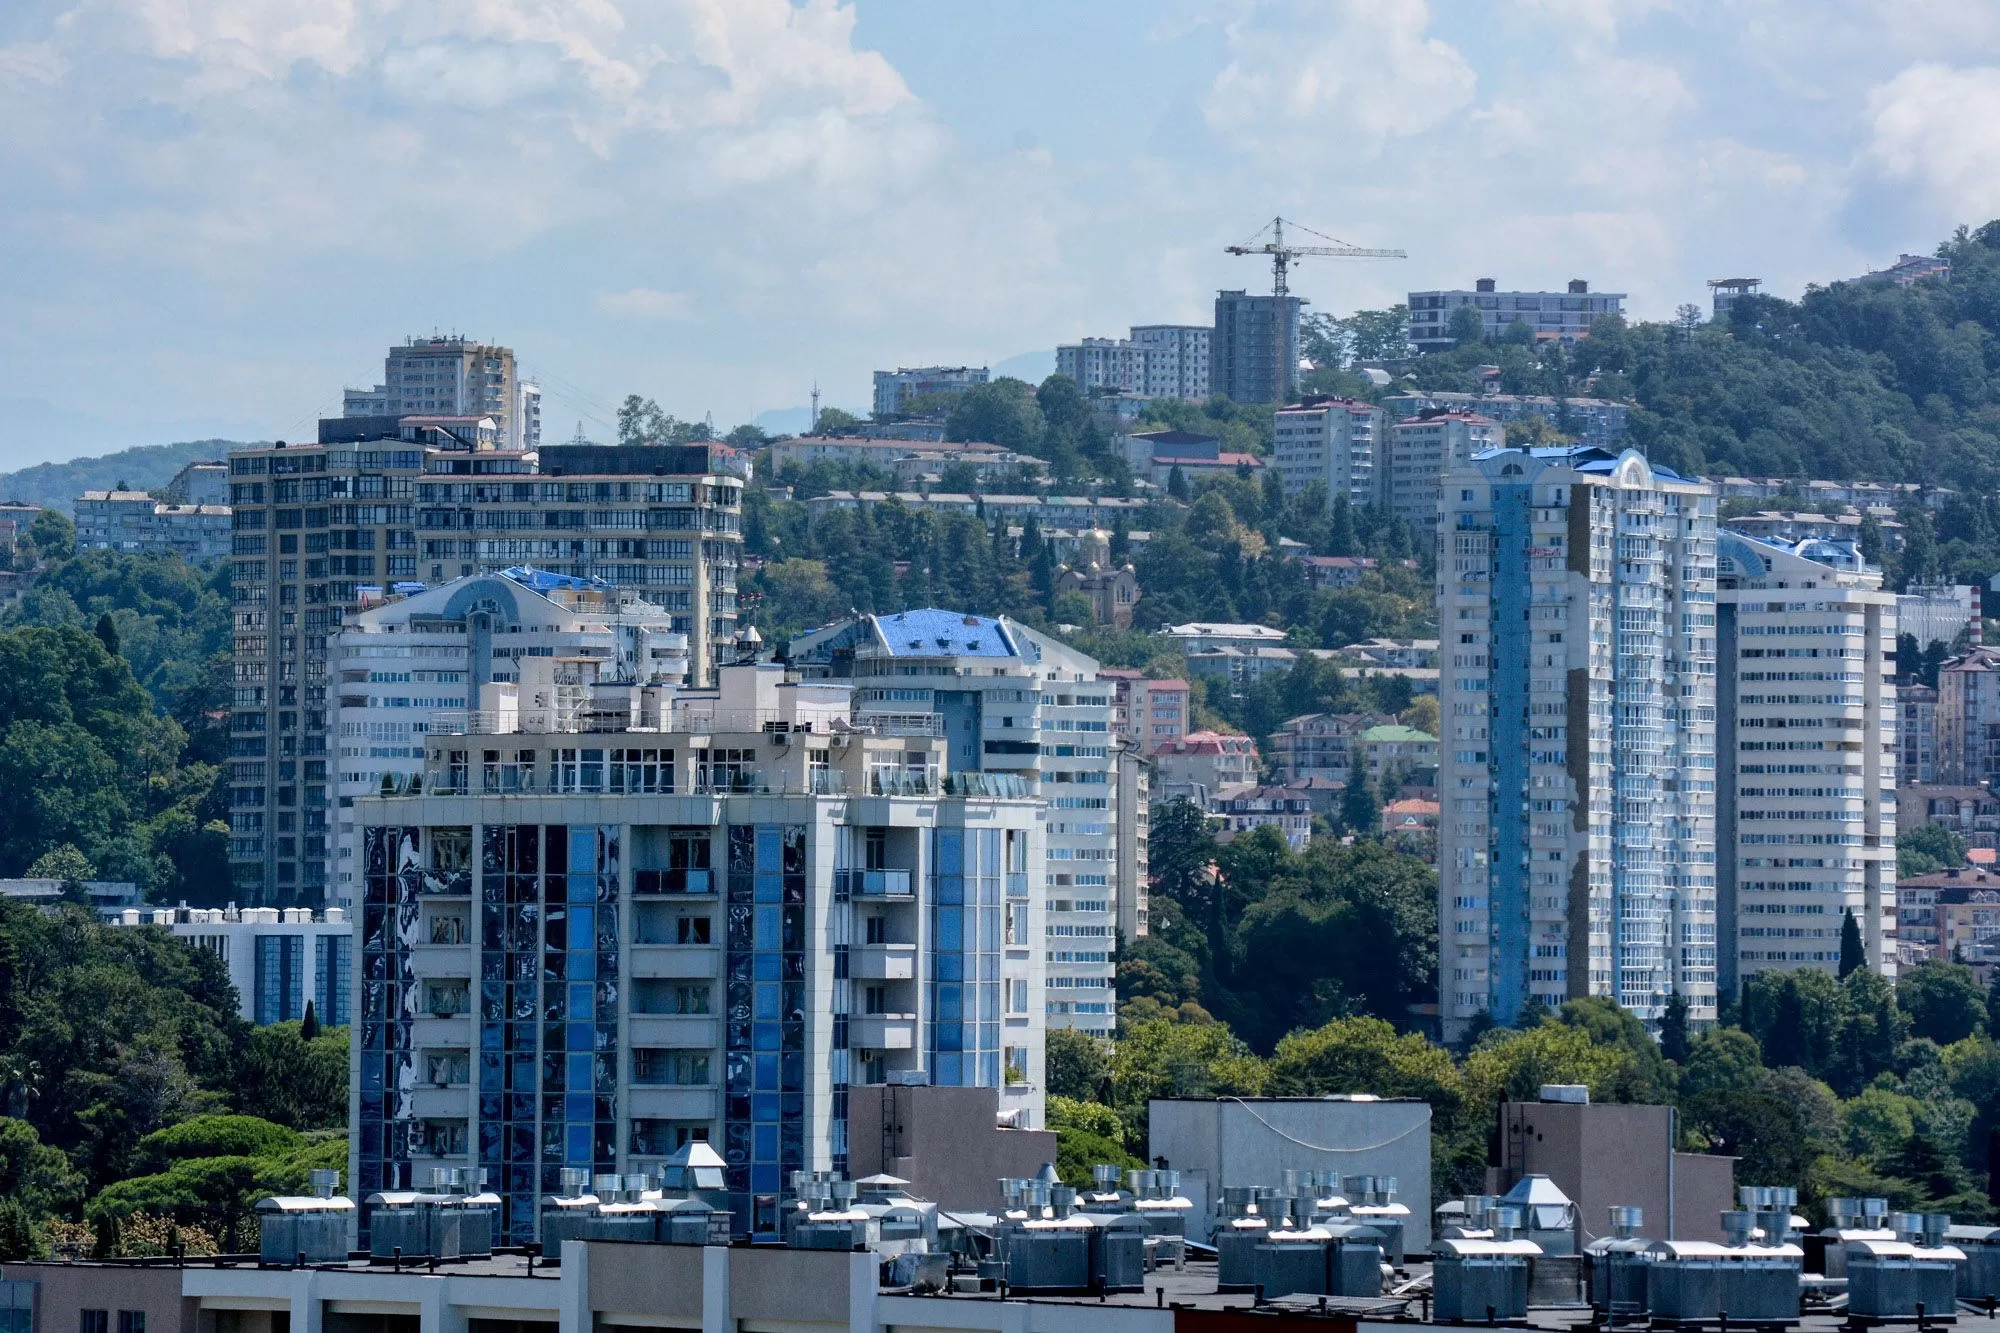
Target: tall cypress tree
{"type": "Point", "coordinates": [1674, 1029]}
{"type": "Point", "coordinates": [1852, 955]}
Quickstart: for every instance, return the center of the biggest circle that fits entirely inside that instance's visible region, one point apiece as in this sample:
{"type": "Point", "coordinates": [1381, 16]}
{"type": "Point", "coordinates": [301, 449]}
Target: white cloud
{"type": "Point", "coordinates": [1937, 129]}
{"type": "Point", "coordinates": [1336, 79]}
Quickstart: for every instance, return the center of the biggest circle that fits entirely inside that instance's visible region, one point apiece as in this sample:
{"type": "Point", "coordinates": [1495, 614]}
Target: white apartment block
{"type": "Point", "coordinates": [589, 938]}
{"type": "Point", "coordinates": [279, 961]}
{"type": "Point", "coordinates": [398, 664]}
{"type": "Point", "coordinates": [1414, 455]}
{"type": "Point", "coordinates": [1576, 603]}
{"type": "Point", "coordinates": [1806, 784]}
{"type": "Point", "coordinates": [1331, 441]}
{"type": "Point", "coordinates": [1176, 359]}
{"type": "Point", "coordinates": [1157, 361]}
{"type": "Point", "coordinates": [895, 389]}
{"type": "Point", "coordinates": [454, 377]}
{"type": "Point", "coordinates": [1565, 315]}
{"type": "Point", "coordinates": [134, 522]}
{"type": "Point", "coordinates": [1009, 700]}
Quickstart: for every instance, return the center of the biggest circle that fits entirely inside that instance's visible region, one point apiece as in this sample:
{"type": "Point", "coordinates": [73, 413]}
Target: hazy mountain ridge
{"type": "Point", "coordinates": [56, 485]}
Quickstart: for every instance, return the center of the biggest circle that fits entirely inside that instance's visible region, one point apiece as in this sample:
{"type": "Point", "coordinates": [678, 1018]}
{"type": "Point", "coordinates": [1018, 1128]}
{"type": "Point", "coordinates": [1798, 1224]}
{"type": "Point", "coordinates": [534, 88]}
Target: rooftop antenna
{"type": "Point", "coordinates": [814, 424]}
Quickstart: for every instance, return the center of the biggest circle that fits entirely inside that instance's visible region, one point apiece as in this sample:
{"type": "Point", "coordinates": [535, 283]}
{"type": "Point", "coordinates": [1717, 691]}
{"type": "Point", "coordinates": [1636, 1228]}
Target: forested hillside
{"type": "Point", "coordinates": [56, 485]}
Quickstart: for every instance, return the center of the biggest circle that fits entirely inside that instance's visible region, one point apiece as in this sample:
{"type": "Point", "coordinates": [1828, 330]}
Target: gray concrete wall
{"type": "Point", "coordinates": [942, 1140]}
{"type": "Point", "coordinates": [657, 1281]}
{"type": "Point", "coordinates": [1253, 1141]}
{"type": "Point", "coordinates": [1607, 1155]}
{"type": "Point", "coordinates": [64, 1290]}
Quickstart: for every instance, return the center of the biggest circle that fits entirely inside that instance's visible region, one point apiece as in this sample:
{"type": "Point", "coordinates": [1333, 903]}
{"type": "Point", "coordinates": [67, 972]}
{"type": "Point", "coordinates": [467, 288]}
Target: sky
{"type": "Point", "coordinates": [216, 213]}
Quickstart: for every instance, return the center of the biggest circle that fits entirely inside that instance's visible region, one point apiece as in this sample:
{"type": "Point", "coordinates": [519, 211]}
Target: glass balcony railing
{"type": "Point", "coordinates": [874, 883]}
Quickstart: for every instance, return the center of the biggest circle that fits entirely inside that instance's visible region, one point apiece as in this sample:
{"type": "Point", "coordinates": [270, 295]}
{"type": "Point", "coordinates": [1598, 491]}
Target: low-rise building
{"type": "Point", "coordinates": [1881, 497]}
{"type": "Point", "coordinates": [135, 522]}
{"type": "Point", "coordinates": [1797, 526]}
{"type": "Point", "coordinates": [1938, 613]}
{"type": "Point", "coordinates": [1154, 455]}
{"type": "Point", "coordinates": [1563, 316]}
{"type": "Point", "coordinates": [1202, 763]}
{"type": "Point", "coordinates": [1055, 511]}
{"type": "Point", "coordinates": [1394, 752]}
{"type": "Point", "coordinates": [1973, 813]}
{"type": "Point", "coordinates": [1947, 915]}
{"type": "Point", "coordinates": [795, 455]}
{"type": "Point", "coordinates": [280, 961]}
{"type": "Point", "coordinates": [1392, 652]}
{"type": "Point", "coordinates": [1335, 571]}
{"type": "Point", "coordinates": [1593, 421]}
{"type": "Point", "coordinates": [1247, 806]}
{"type": "Point", "coordinates": [1409, 819]}
{"type": "Point", "coordinates": [1151, 713]}
{"type": "Point", "coordinates": [896, 390]}
{"type": "Point", "coordinates": [1198, 636]}
{"type": "Point", "coordinates": [1319, 745]}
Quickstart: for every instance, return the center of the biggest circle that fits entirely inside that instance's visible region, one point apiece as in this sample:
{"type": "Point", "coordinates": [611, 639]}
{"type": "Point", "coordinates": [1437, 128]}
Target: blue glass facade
{"type": "Point", "coordinates": [280, 980]}
{"type": "Point", "coordinates": [579, 1088]}
{"type": "Point", "coordinates": [1508, 851]}
{"type": "Point", "coordinates": [392, 881]}
{"type": "Point", "coordinates": [962, 969]}
{"type": "Point", "coordinates": [764, 1102]}
{"type": "Point", "coordinates": [334, 967]}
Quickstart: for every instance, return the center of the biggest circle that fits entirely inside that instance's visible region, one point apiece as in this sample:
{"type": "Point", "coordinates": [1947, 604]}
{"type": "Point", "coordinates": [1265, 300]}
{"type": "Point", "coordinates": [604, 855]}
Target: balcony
{"type": "Point", "coordinates": [883, 1032]}
{"type": "Point", "coordinates": [883, 962]}
{"type": "Point", "coordinates": [673, 881]}
{"type": "Point", "coordinates": [889, 884]}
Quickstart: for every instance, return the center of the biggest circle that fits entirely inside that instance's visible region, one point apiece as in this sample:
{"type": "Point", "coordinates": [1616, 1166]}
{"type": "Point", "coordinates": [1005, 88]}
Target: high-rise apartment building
{"type": "Point", "coordinates": [1576, 604]}
{"type": "Point", "coordinates": [1916, 733]}
{"type": "Point", "coordinates": [1157, 361]}
{"type": "Point", "coordinates": [1012, 701]}
{"type": "Point", "coordinates": [398, 664]}
{"type": "Point", "coordinates": [322, 529]}
{"type": "Point", "coordinates": [1414, 455]}
{"type": "Point", "coordinates": [1177, 359]}
{"type": "Point", "coordinates": [1551, 316]}
{"type": "Point", "coordinates": [1254, 351]}
{"type": "Point", "coordinates": [454, 377]}
{"type": "Point", "coordinates": [690, 915]}
{"type": "Point", "coordinates": [1331, 441]}
{"type": "Point", "coordinates": [895, 389]}
{"type": "Point", "coordinates": [1968, 719]}
{"type": "Point", "coordinates": [1806, 722]}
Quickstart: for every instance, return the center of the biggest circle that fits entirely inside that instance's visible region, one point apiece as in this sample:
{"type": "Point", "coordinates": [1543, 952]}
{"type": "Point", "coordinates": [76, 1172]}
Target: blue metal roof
{"type": "Point", "coordinates": [935, 633]}
{"type": "Point", "coordinates": [541, 580]}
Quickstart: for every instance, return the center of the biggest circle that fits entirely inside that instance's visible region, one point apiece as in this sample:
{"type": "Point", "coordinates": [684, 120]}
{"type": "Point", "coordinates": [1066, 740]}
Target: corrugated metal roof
{"type": "Point", "coordinates": [936, 633]}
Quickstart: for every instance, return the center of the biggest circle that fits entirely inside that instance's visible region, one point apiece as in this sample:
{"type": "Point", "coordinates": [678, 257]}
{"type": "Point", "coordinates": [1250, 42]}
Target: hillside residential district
{"type": "Point", "coordinates": [698, 981]}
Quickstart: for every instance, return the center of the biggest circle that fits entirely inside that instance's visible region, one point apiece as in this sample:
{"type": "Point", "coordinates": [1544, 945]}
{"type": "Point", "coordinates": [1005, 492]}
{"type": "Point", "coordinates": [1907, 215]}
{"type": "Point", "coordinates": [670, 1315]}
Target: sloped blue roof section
{"type": "Point", "coordinates": [936, 633]}
{"type": "Point", "coordinates": [541, 580]}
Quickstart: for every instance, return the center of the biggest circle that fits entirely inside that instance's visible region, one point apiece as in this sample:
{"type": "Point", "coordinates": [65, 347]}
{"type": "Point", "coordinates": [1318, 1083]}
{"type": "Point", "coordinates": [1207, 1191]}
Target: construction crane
{"type": "Point", "coordinates": [1282, 255]}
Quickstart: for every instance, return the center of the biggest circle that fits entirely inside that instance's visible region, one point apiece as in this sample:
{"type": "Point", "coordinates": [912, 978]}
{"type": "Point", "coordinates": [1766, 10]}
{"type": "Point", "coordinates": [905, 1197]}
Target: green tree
{"type": "Point", "coordinates": [1722, 1060]}
{"type": "Point", "coordinates": [34, 1175]}
{"type": "Point", "coordinates": [1852, 955]}
{"type": "Point", "coordinates": [52, 534]}
{"type": "Point", "coordinates": [68, 865]}
{"type": "Point", "coordinates": [1177, 485]}
{"type": "Point", "coordinates": [1466, 327]}
{"type": "Point", "coordinates": [1076, 1065]}
{"type": "Point", "coordinates": [1087, 1135]}
{"type": "Point", "coordinates": [1674, 1038]}
{"type": "Point", "coordinates": [1175, 1059]}
{"type": "Point", "coordinates": [1003, 412]}
{"type": "Point", "coordinates": [1764, 1132]}
{"type": "Point", "coordinates": [1927, 849]}
{"type": "Point", "coordinates": [1360, 812]}
{"type": "Point", "coordinates": [1943, 1001]}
